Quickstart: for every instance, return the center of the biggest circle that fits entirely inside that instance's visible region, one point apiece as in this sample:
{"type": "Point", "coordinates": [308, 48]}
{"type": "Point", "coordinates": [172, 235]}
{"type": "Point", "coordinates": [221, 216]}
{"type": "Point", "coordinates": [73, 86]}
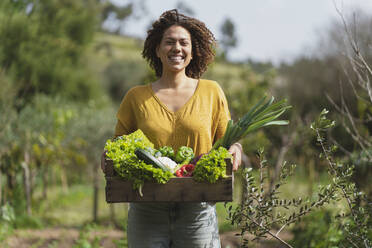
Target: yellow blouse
{"type": "Point", "coordinates": [198, 124]}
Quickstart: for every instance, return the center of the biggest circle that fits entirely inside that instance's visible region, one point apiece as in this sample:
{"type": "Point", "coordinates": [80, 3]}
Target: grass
{"type": "Point", "coordinates": [74, 209]}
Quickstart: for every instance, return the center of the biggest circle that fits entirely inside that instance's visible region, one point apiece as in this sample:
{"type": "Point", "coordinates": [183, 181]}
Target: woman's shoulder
{"type": "Point", "coordinates": [211, 86]}
{"type": "Point", "coordinates": [137, 91]}
{"type": "Point", "coordinates": [209, 83]}
{"type": "Point", "coordinates": [136, 94]}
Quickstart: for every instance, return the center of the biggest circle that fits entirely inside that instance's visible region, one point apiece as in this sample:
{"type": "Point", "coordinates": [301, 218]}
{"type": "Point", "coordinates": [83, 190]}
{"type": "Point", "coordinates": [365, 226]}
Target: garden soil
{"type": "Point", "coordinates": [108, 238]}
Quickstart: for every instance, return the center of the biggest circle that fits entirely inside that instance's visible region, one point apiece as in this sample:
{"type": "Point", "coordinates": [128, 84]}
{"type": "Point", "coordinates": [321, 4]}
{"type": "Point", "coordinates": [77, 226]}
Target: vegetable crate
{"type": "Point", "coordinates": [179, 189]}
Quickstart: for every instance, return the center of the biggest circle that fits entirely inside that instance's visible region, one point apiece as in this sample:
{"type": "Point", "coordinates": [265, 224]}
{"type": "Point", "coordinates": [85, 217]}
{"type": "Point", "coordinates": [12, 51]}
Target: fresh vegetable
{"type": "Point", "coordinates": [167, 151]}
{"type": "Point", "coordinates": [169, 163]}
{"type": "Point", "coordinates": [128, 165]}
{"type": "Point", "coordinates": [196, 159]}
{"type": "Point", "coordinates": [185, 171]}
{"type": "Point", "coordinates": [262, 114]}
{"type": "Point", "coordinates": [184, 155]}
{"type": "Point", "coordinates": [158, 154]}
{"type": "Point", "coordinates": [148, 158]}
{"type": "Point", "coordinates": [211, 166]}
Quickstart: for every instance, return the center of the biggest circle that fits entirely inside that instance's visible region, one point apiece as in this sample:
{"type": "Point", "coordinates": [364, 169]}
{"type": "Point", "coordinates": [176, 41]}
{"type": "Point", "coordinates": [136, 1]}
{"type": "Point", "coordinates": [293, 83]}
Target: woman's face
{"type": "Point", "coordinates": [175, 49]}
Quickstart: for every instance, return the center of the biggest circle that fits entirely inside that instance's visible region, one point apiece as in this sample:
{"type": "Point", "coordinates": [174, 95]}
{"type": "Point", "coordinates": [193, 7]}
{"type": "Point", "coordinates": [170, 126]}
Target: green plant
{"type": "Point", "coordinates": [121, 243]}
{"type": "Point", "coordinates": [7, 218]}
{"type": "Point", "coordinates": [317, 230]}
{"type": "Point", "coordinates": [355, 221]}
{"type": "Point", "coordinates": [122, 152]}
{"type": "Point", "coordinates": [211, 166]}
{"type": "Point", "coordinates": [84, 240]}
{"type": "Point", "coordinates": [263, 210]}
{"type": "Point", "coordinates": [260, 115]}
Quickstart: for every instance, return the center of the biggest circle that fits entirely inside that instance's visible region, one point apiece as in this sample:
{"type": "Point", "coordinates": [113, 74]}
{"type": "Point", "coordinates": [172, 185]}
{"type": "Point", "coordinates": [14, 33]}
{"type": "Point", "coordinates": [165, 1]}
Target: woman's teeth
{"type": "Point", "coordinates": [176, 58]}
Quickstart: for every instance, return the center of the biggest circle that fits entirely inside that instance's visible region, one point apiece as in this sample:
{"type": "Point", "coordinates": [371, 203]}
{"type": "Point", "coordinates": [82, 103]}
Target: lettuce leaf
{"type": "Point", "coordinates": [127, 165]}
{"type": "Point", "coordinates": [211, 166]}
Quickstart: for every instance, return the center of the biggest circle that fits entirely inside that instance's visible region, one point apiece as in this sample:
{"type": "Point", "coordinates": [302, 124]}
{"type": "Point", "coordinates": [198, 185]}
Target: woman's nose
{"type": "Point", "coordinates": [177, 46]}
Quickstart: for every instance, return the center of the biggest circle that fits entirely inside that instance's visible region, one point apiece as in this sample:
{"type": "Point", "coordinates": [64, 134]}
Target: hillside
{"type": "Point", "coordinates": [107, 48]}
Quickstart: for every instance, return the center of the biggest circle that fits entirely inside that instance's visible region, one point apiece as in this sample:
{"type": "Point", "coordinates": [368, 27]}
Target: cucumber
{"type": "Point", "coordinates": [148, 158]}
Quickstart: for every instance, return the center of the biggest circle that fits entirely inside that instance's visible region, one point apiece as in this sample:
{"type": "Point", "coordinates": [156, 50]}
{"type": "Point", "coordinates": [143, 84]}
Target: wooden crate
{"type": "Point", "coordinates": [176, 190]}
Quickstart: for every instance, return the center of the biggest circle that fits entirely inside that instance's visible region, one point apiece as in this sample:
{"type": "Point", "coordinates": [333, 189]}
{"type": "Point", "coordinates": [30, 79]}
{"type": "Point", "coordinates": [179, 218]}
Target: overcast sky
{"type": "Point", "coordinates": [266, 29]}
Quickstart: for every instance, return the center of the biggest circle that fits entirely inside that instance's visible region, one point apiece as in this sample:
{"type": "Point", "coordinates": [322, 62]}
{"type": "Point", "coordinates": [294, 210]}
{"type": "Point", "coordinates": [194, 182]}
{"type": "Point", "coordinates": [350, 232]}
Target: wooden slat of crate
{"type": "Point", "coordinates": [176, 190]}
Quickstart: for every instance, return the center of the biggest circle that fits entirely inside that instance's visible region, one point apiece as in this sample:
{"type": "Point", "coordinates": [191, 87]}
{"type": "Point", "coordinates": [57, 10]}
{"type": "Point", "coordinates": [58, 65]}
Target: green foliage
{"type": "Point", "coordinates": [317, 230]}
{"type": "Point", "coordinates": [229, 39]}
{"type": "Point", "coordinates": [120, 12]}
{"type": "Point", "coordinates": [12, 218]}
{"type": "Point", "coordinates": [260, 115]}
{"type": "Point", "coordinates": [263, 209]}
{"type": "Point", "coordinates": [363, 169]}
{"type": "Point", "coordinates": [28, 221]}
{"type": "Point", "coordinates": [85, 241]}
{"type": "Point", "coordinates": [8, 112]}
{"type": "Point", "coordinates": [42, 46]}
{"type": "Point", "coordinates": [184, 155]}
{"type": "Point", "coordinates": [167, 151]}
{"type": "Point", "coordinates": [121, 75]}
{"type": "Point", "coordinates": [355, 222]}
{"type": "Point", "coordinates": [122, 243]}
{"type": "Point", "coordinates": [305, 82]}
{"type": "Point", "coordinates": [243, 88]}
{"type": "Point", "coordinates": [211, 166]}
{"type": "Point", "coordinates": [126, 163]}
{"type": "Point", "coordinates": [7, 218]}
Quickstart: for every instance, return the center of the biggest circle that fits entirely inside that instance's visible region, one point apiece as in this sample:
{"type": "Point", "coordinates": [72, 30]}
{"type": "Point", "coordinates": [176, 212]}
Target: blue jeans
{"type": "Point", "coordinates": [175, 225]}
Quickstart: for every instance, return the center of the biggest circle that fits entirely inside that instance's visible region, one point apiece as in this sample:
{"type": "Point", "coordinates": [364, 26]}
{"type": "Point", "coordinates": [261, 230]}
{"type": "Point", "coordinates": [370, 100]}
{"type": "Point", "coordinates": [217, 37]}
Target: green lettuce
{"type": "Point", "coordinates": [127, 165]}
{"type": "Point", "coordinates": [184, 155]}
{"type": "Point", "coordinates": [211, 166]}
{"type": "Point", "coordinates": [167, 151]}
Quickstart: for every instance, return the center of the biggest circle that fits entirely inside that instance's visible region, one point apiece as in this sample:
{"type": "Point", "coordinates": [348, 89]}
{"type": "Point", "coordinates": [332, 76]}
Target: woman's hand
{"type": "Point", "coordinates": [236, 150]}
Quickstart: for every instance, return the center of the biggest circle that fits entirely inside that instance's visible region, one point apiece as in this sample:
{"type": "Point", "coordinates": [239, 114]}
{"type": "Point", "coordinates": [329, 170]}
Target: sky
{"type": "Point", "coordinates": [267, 30]}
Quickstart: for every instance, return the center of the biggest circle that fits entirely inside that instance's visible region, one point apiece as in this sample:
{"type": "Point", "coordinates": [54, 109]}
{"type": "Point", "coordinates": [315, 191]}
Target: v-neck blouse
{"type": "Point", "coordinates": [197, 124]}
{"type": "Point", "coordinates": [166, 107]}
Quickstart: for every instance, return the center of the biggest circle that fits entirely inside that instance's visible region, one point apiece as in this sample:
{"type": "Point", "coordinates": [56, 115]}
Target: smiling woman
{"type": "Point", "coordinates": [178, 109]}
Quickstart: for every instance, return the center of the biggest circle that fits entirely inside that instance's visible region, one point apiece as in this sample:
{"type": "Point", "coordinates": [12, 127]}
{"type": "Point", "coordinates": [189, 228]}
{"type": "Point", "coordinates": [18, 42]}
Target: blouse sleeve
{"type": "Point", "coordinates": [222, 115]}
{"type": "Point", "coordinates": [126, 121]}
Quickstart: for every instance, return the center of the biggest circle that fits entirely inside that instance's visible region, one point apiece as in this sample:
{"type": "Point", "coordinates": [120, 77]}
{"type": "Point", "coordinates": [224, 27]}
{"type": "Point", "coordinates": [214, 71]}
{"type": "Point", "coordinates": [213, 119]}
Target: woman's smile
{"type": "Point", "coordinates": [176, 58]}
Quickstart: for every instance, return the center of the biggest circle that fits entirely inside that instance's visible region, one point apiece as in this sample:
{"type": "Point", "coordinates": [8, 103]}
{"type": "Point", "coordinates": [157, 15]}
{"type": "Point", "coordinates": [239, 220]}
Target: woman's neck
{"type": "Point", "coordinates": [173, 80]}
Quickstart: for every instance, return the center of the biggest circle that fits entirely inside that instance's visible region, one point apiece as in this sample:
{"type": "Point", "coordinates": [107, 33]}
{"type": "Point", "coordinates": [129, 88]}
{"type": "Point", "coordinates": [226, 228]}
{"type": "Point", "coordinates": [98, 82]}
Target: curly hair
{"type": "Point", "coordinates": [202, 40]}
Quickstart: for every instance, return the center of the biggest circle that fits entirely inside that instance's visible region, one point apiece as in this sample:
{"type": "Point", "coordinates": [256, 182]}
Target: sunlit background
{"type": "Point", "coordinates": [267, 30]}
{"type": "Point", "coordinates": [65, 66]}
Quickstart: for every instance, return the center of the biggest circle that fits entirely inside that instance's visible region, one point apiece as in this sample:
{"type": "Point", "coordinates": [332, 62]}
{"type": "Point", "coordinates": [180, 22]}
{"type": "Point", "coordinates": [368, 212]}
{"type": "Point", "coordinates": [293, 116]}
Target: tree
{"type": "Point", "coordinates": [121, 75]}
{"type": "Point", "coordinates": [42, 44]}
{"type": "Point", "coordinates": [358, 72]}
{"type": "Point", "coordinates": [114, 16]}
{"type": "Point", "coordinates": [228, 36]}
{"type": "Point", "coordinates": [184, 8]}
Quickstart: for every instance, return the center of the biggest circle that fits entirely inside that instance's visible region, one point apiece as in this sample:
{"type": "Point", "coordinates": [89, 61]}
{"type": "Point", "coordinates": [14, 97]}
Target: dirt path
{"type": "Point", "coordinates": [109, 238]}
{"type": "Point", "coordinates": [61, 238]}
